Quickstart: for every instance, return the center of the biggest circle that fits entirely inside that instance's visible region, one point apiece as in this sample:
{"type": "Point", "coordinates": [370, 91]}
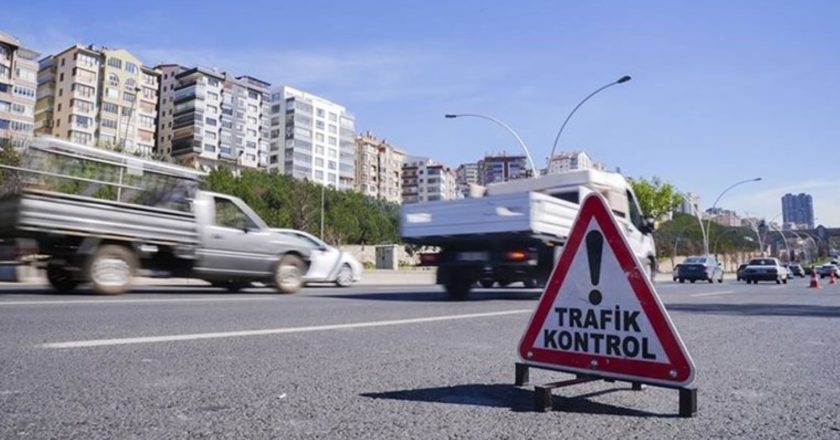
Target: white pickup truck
{"type": "Point", "coordinates": [101, 217]}
{"type": "Point", "coordinates": [515, 231]}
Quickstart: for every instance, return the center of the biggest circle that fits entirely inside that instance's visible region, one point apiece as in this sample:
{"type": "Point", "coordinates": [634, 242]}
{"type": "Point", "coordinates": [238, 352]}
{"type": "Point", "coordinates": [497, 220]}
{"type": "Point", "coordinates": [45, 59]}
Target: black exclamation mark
{"type": "Point", "coordinates": [594, 246]}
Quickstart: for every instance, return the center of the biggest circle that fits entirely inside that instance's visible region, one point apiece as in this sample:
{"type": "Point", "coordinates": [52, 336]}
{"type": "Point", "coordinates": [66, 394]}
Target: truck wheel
{"type": "Point", "coordinates": [111, 270]}
{"type": "Point", "coordinates": [60, 278]}
{"type": "Point", "coordinates": [288, 275]}
{"type": "Point", "coordinates": [486, 283]}
{"type": "Point", "coordinates": [458, 287]}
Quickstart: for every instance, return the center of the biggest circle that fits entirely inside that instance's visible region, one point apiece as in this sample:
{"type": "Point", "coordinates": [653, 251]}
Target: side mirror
{"type": "Point", "coordinates": [648, 225]}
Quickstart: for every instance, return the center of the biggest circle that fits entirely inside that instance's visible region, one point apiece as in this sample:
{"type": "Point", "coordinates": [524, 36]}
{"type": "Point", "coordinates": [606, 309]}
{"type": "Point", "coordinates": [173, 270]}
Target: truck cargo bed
{"type": "Point", "coordinates": [36, 212]}
{"type": "Point", "coordinates": [537, 215]}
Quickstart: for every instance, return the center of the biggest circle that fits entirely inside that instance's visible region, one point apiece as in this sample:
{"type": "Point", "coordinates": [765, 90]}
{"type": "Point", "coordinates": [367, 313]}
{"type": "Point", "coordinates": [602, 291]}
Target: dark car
{"type": "Point", "coordinates": [796, 270]}
{"type": "Point", "coordinates": [827, 270]}
{"type": "Point", "coordinates": [739, 274]}
{"type": "Point", "coordinates": [700, 268]}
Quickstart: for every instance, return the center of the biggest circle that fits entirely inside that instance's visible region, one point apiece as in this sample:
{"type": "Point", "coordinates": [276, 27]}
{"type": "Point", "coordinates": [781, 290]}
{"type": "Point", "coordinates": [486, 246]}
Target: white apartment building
{"type": "Point", "coordinates": [378, 168]}
{"type": "Point", "coordinates": [425, 180]}
{"type": "Point", "coordinates": [466, 174]}
{"type": "Point", "coordinates": [18, 82]}
{"type": "Point", "coordinates": [100, 97]}
{"type": "Point", "coordinates": [312, 138]}
{"type": "Point", "coordinates": [577, 160]}
{"type": "Point", "coordinates": [209, 118]}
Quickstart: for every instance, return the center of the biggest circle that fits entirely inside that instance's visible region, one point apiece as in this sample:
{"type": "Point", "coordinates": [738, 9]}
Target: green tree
{"type": "Point", "coordinates": [656, 198]}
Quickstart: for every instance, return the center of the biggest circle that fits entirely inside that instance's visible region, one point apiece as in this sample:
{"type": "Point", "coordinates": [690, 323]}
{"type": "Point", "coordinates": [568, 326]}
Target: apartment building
{"type": "Point", "coordinates": [502, 168]}
{"type": "Point", "coordinates": [312, 138]}
{"type": "Point", "coordinates": [209, 118]}
{"type": "Point", "coordinates": [98, 96]}
{"type": "Point", "coordinates": [18, 83]}
{"type": "Point", "coordinates": [572, 161]}
{"type": "Point", "coordinates": [466, 174]}
{"type": "Point", "coordinates": [425, 180]}
{"type": "Point", "coordinates": [723, 217]}
{"type": "Point", "coordinates": [798, 211]}
{"type": "Point", "coordinates": [378, 168]}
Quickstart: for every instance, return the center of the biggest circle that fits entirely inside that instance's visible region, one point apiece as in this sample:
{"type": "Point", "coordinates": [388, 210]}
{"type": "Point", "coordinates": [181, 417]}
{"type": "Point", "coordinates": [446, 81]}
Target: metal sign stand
{"type": "Point", "coordinates": [544, 402]}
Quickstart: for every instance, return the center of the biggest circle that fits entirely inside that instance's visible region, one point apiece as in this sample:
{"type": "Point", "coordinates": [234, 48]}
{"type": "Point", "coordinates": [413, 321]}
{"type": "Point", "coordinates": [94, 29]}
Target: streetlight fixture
{"type": "Point", "coordinates": [534, 170]}
{"type": "Point", "coordinates": [714, 205]}
{"type": "Point", "coordinates": [621, 80]}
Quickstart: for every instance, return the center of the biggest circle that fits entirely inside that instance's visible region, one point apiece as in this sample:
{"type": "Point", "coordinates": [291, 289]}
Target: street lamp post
{"type": "Point", "coordinates": [507, 127]}
{"type": "Point", "coordinates": [714, 205]}
{"type": "Point", "coordinates": [621, 80]}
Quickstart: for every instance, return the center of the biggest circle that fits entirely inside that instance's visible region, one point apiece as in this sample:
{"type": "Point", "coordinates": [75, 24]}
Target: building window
{"type": "Point", "coordinates": [109, 123]}
{"type": "Point", "coordinates": [130, 84]}
{"type": "Point", "coordinates": [131, 68]}
{"type": "Point", "coordinates": [114, 62]}
{"type": "Point", "coordinates": [333, 129]}
{"type": "Point", "coordinates": [113, 80]}
{"type": "Point", "coordinates": [213, 96]}
{"type": "Point", "coordinates": [210, 135]}
{"type": "Point", "coordinates": [210, 148]}
{"type": "Point", "coordinates": [129, 97]}
{"type": "Point", "coordinates": [319, 125]}
{"type": "Point", "coordinates": [84, 60]}
{"type": "Point", "coordinates": [24, 91]}
{"type": "Point", "coordinates": [110, 107]}
{"type": "Point", "coordinates": [83, 90]}
{"type": "Point", "coordinates": [213, 82]}
{"type": "Point", "coordinates": [319, 162]}
{"type": "Point", "coordinates": [333, 117]}
{"type": "Point", "coordinates": [332, 140]}
{"type": "Point", "coordinates": [319, 112]}
{"type": "Point", "coordinates": [210, 121]}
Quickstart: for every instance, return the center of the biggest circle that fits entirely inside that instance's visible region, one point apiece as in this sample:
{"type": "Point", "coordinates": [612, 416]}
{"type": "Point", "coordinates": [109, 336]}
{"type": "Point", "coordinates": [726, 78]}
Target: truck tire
{"type": "Point", "coordinates": [111, 269]}
{"type": "Point", "coordinates": [288, 275]}
{"type": "Point", "coordinates": [60, 278]}
{"type": "Point", "coordinates": [458, 286]}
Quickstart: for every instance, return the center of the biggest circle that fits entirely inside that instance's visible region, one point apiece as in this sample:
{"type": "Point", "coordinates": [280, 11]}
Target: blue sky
{"type": "Point", "coordinates": [721, 91]}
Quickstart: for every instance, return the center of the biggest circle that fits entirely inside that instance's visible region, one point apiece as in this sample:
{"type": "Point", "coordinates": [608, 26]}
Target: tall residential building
{"type": "Point", "coordinates": [209, 118]}
{"type": "Point", "coordinates": [690, 204]}
{"type": "Point", "coordinates": [466, 174]}
{"type": "Point", "coordinates": [798, 210]}
{"type": "Point", "coordinates": [378, 168]}
{"type": "Point", "coordinates": [98, 96]}
{"type": "Point", "coordinates": [502, 168]}
{"type": "Point", "coordinates": [576, 160]}
{"type": "Point", "coordinates": [18, 83]}
{"type": "Point", "coordinates": [425, 180]}
{"type": "Point", "coordinates": [312, 138]}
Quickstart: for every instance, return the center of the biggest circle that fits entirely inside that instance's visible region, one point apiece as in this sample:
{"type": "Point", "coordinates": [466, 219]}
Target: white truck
{"type": "Point", "coordinates": [102, 217]}
{"type": "Point", "coordinates": [515, 230]}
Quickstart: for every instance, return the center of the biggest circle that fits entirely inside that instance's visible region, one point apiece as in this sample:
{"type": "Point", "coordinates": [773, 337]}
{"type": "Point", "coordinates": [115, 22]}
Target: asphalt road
{"type": "Point", "coordinates": [395, 362]}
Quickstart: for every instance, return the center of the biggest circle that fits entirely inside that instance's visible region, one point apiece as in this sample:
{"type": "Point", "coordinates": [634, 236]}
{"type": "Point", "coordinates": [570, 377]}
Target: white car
{"type": "Point", "coordinates": [328, 264]}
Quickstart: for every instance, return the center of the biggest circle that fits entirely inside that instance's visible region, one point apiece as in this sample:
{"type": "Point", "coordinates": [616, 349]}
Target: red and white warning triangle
{"type": "Point", "coordinates": [600, 315]}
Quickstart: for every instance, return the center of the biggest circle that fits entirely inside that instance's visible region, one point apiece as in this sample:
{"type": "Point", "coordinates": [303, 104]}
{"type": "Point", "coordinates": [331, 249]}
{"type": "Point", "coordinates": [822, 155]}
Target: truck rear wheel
{"type": "Point", "coordinates": [288, 275]}
{"type": "Point", "coordinates": [458, 286]}
{"type": "Point", "coordinates": [61, 279]}
{"type": "Point", "coordinates": [111, 270]}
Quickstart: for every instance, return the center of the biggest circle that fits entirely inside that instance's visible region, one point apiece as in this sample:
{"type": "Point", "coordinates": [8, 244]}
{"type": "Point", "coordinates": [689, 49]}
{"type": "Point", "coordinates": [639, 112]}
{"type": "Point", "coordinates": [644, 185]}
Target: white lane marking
{"type": "Point", "coordinates": [720, 292]}
{"type": "Point", "coordinates": [271, 331]}
{"type": "Point", "coordinates": [135, 300]}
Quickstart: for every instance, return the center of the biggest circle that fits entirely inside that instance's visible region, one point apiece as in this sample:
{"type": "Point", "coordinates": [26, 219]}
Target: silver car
{"type": "Point", "coordinates": [327, 263]}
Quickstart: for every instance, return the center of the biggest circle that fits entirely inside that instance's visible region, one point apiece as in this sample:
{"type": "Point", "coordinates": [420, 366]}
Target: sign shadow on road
{"type": "Point", "coordinates": [515, 398]}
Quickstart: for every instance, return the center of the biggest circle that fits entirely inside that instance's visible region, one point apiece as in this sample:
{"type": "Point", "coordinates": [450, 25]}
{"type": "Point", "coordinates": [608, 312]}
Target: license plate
{"type": "Point", "coordinates": [473, 256]}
